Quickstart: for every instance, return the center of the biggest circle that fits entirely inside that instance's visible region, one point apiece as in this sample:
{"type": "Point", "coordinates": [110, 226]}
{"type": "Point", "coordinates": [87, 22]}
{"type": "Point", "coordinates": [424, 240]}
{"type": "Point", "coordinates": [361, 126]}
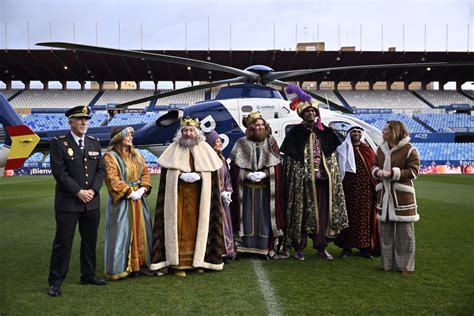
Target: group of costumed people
{"type": "Point", "coordinates": [269, 200]}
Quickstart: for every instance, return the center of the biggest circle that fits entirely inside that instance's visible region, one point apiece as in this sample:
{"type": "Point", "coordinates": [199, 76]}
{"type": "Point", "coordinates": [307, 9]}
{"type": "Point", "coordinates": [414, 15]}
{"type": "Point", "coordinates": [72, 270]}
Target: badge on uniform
{"type": "Point", "coordinates": [70, 152]}
{"type": "Point", "coordinates": [65, 143]}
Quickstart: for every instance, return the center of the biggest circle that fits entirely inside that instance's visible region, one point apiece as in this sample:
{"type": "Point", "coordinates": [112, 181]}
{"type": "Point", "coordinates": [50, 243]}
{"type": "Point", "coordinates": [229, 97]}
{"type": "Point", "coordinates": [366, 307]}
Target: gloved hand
{"type": "Point", "coordinates": [141, 191]}
{"type": "Point", "coordinates": [253, 177]}
{"type": "Point", "coordinates": [226, 197]}
{"type": "Point", "coordinates": [190, 177]}
{"type": "Point", "coordinates": [135, 195]}
{"type": "Point", "coordinates": [260, 174]}
{"type": "Point", "coordinates": [256, 176]}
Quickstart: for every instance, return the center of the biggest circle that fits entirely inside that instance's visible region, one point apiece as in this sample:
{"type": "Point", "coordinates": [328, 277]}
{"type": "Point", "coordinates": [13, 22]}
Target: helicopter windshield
{"type": "Point", "coordinates": [247, 91]}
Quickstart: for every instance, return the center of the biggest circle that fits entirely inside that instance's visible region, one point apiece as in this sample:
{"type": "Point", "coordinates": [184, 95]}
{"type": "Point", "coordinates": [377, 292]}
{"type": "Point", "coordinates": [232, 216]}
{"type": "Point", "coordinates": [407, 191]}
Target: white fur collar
{"type": "Point", "coordinates": [177, 157]}
{"type": "Point", "coordinates": [386, 149]}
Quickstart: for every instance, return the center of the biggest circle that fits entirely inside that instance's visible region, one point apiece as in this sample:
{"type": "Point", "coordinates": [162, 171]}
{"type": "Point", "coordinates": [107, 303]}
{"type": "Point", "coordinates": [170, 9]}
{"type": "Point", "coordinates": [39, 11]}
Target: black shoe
{"type": "Point", "coordinates": [94, 281]}
{"type": "Point", "coordinates": [54, 290]}
{"type": "Point", "coordinates": [134, 274]}
{"type": "Point", "coordinates": [364, 252]}
{"type": "Point", "coordinates": [346, 252]}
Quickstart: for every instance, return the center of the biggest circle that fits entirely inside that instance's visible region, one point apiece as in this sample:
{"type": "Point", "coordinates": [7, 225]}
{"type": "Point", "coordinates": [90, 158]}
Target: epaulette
{"type": "Point", "coordinates": [92, 137]}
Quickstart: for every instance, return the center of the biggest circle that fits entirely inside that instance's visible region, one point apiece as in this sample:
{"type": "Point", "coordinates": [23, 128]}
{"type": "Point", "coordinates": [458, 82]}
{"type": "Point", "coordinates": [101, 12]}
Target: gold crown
{"type": "Point", "coordinates": [307, 104]}
{"type": "Point", "coordinates": [189, 121]}
{"type": "Point", "coordinates": [252, 117]}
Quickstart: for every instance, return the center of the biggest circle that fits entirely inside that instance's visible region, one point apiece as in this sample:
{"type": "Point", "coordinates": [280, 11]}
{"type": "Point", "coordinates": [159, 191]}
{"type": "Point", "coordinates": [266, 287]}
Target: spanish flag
{"type": "Point", "coordinates": [24, 140]}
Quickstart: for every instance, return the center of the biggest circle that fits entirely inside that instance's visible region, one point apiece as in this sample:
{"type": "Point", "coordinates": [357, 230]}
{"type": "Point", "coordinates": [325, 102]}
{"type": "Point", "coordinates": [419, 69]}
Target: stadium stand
{"type": "Point", "coordinates": [381, 99]}
{"type": "Point", "coordinates": [182, 99]}
{"type": "Point", "coordinates": [149, 157]}
{"type": "Point", "coordinates": [48, 121]}
{"type": "Point", "coordinates": [133, 118]}
{"type": "Point", "coordinates": [9, 93]}
{"type": "Point", "coordinates": [443, 98]}
{"type": "Point", "coordinates": [445, 151]}
{"type": "Point", "coordinates": [38, 157]}
{"type": "Point", "coordinates": [379, 121]}
{"type": "Point", "coordinates": [469, 93]}
{"type": "Point", "coordinates": [447, 122]}
{"type": "Point", "coordinates": [122, 96]}
{"type": "Point", "coordinates": [52, 98]}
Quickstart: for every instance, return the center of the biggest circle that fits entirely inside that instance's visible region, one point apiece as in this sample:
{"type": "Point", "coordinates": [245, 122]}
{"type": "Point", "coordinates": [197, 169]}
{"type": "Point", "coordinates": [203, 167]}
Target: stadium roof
{"type": "Point", "coordinates": [49, 65]}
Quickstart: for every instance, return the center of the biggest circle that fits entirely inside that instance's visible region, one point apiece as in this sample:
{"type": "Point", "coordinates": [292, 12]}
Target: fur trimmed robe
{"type": "Point", "coordinates": [396, 198]}
{"type": "Point", "coordinates": [209, 239]}
{"type": "Point", "coordinates": [244, 159]}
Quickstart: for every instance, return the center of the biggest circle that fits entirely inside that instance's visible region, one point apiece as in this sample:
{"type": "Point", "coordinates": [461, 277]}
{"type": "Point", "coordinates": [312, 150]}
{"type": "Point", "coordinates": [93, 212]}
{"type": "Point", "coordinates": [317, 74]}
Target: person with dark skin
{"type": "Point", "coordinates": [314, 197]}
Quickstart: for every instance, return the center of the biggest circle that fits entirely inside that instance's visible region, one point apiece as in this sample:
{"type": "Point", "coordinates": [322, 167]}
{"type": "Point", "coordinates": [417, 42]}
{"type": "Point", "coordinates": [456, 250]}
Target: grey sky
{"type": "Point", "coordinates": [252, 23]}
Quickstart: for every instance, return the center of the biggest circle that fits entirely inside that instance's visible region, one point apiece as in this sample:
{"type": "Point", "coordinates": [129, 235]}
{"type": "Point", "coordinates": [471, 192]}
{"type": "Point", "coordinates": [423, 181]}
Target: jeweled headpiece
{"type": "Point", "coordinates": [189, 121]}
{"type": "Point", "coordinates": [302, 102]}
{"type": "Point", "coordinates": [252, 117]}
{"type": "Point", "coordinates": [121, 135]}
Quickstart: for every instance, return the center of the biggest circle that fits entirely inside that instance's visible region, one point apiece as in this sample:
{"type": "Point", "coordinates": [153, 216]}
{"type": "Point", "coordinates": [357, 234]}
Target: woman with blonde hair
{"type": "Point", "coordinates": [128, 237]}
{"type": "Point", "coordinates": [396, 166]}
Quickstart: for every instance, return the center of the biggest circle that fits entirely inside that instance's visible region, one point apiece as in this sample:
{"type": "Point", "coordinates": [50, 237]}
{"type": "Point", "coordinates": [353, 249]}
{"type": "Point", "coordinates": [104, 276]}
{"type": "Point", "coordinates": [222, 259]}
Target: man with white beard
{"type": "Point", "coordinates": [187, 232]}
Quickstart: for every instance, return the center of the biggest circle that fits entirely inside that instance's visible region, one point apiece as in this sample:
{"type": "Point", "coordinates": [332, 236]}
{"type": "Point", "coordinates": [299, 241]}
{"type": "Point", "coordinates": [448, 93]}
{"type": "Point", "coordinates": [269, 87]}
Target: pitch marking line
{"type": "Point", "coordinates": [273, 308]}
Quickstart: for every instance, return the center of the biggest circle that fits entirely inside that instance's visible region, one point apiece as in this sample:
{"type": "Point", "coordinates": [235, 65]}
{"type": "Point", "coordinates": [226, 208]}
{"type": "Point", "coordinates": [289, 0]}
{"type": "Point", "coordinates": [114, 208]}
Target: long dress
{"type": "Point", "coordinates": [359, 190]}
{"type": "Point", "coordinates": [225, 184]}
{"type": "Point", "coordinates": [128, 237]}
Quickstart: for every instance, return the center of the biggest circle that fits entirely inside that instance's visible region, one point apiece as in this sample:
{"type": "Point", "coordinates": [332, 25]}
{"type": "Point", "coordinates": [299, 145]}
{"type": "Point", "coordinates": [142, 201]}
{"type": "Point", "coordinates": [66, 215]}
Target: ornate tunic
{"type": "Point", "coordinates": [312, 176]}
{"type": "Point", "coordinates": [128, 226]}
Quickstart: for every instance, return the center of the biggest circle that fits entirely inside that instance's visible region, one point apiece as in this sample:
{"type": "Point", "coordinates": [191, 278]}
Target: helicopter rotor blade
{"type": "Point", "coordinates": [331, 104]}
{"type": "Point", "coordinates": [269, 77]}
{"type": "Point", "coordinates": [183, 90]}
{"type": "Point", "coordinates": [152, 56]}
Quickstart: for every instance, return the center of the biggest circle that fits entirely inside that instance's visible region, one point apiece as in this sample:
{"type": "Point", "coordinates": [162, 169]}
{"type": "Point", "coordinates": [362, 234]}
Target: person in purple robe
{"type": "Point", "coordinates": [225, 188]}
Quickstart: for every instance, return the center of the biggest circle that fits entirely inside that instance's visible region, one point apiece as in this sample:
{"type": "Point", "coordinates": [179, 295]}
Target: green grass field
{"type": "Point", "coordinates": [443, 282]}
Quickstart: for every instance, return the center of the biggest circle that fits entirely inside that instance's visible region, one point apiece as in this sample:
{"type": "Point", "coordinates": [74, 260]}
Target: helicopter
{"type": "Point", "coordinates": [249, 91]}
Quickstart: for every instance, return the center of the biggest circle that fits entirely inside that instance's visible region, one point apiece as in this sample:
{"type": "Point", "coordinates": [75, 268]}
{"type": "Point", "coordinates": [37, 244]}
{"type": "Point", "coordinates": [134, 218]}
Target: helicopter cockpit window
{"type": "Point", "coordinates": [260, 93]}
{"type": "Point", "coordinates": [247, 108]}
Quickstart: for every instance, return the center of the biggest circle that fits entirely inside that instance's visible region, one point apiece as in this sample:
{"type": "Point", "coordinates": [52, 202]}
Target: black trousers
{"type": "Point", "coordinates": [62, 244]}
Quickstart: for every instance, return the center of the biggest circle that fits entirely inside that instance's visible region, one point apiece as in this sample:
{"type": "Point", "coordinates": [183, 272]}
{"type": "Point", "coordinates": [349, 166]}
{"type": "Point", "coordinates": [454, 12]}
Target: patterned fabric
{"type": "Point", "coordinates": [301, 197]}
{"type": "Point", "coordinates": [398, 245]}
{"type": "Point", "coordinates": [249, 156]}
{"type": "Point", "coordinates": [359, 190]}
{"type": "Point", "coordinates": [128, 224]}
{"type": "Point", "coordinates": [244, 154]}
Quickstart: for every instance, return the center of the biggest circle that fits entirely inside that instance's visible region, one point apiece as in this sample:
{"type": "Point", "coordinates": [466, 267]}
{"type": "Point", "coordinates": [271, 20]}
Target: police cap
{"type": "Point", "coordinates": [80, 111]}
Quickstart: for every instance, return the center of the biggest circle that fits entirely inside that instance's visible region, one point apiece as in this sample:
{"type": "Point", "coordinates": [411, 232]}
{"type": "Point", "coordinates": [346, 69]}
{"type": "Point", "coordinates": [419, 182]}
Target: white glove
{"type": "Point", "coordinates": [256, 176]}
{"type": "Point", "coordinates": [141, 191]}
{"type": "Point", "coordinates": [135, 195]}
{"type": "Point", "coordinates": [253, 177]}
{"type": "Point", "coordinates": [190, 177]}
{"type": "Point", "coordinates": [260, 174]}
{"type": "Point", "coordinates": [226, 197]}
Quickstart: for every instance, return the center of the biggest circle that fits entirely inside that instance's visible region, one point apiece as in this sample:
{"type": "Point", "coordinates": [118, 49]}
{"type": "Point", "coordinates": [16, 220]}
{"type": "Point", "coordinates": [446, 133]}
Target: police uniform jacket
{"type": "Point", "coordinates": [75, 169]}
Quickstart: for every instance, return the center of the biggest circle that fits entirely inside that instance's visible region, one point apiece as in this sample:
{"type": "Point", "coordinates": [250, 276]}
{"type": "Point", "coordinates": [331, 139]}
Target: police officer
{"type": "Point", "coordinates": [77, 166]}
